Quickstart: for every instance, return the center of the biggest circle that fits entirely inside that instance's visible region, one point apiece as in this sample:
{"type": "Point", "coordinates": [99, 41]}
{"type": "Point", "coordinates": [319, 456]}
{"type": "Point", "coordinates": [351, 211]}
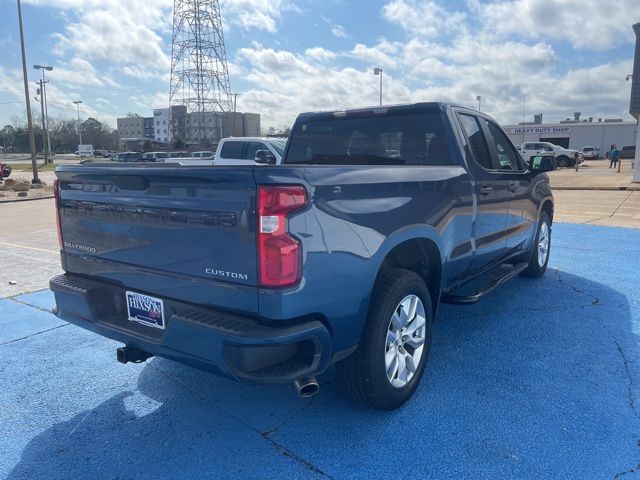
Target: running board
{"type": "Point", "coordinates": [476, 288]}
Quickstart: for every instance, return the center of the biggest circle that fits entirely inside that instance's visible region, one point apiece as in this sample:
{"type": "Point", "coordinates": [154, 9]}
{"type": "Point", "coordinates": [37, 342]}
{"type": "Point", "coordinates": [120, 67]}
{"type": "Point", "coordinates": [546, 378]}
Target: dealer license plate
{"type": "Point", "coordinates": [145, 309]}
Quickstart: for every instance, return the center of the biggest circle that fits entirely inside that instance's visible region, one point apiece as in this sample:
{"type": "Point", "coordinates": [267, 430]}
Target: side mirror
{"type": "Point", "coordinates": [265, 157]}
{"type": "Point", "coordinates": [542, 163]}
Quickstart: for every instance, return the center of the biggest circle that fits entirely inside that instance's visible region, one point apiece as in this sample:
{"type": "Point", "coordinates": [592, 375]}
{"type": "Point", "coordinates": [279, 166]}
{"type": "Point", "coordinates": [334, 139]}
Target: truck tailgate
{"type": "Point", "coordinates": [186, 233]}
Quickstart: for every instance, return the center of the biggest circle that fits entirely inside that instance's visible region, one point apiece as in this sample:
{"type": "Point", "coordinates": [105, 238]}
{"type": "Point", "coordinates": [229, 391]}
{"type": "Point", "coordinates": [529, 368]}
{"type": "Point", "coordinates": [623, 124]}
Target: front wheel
{"type": "Point", "coordinates": [563, 161]}
{"type": "Point", "coordinates": [541, 248]}
{"type": "Point", "coordinates": [392, 355]}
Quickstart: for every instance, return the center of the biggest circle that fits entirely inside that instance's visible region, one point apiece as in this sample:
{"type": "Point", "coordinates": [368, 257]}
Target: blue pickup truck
{"type": "Point", "coordinates": [340, 255]}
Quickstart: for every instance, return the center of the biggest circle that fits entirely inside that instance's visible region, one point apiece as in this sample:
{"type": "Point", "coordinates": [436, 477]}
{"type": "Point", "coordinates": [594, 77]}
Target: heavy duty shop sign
{"type": "Point", "coordinates": [521, 130]}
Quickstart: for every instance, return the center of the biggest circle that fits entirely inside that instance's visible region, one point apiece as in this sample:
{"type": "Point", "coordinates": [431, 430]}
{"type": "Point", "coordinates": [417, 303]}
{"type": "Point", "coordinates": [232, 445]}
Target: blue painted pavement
{"type": "Point", "coordinates": [540, 379]}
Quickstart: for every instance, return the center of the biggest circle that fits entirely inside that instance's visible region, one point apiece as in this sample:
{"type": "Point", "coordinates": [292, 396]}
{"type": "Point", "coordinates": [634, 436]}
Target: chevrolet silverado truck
{"type": "Point", "coordinates": [339, 255]}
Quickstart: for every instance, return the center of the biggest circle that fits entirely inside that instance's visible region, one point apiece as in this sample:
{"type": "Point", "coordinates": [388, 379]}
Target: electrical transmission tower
{"type": "Point", "coordinates": [199, 72]}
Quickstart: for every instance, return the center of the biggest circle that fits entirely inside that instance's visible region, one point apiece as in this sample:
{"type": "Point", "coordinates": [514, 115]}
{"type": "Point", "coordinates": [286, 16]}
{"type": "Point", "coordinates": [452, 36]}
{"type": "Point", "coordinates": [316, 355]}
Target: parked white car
{"type": "Point", "coordinates": [590, 153]}
{"type": "Point", "coordinates": [565, 157]}
{"type": "Point", "coordinates": [250, 151]}
{"type": "Point", "coordinates": [154, 156]}
{"type": "Point", "coordinates": [203, 154]}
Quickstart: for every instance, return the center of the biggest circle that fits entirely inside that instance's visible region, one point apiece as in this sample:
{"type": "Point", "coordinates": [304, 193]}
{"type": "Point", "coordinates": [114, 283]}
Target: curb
{"type": "Point", "coordinates": [25, 200]}
{"type": "Point", "coordinates": [631, 188]}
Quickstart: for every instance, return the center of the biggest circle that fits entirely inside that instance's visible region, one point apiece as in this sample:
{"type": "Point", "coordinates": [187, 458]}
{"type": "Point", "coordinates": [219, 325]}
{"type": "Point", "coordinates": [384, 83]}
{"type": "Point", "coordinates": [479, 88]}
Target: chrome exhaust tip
{"type": "Point", "coordinates": [307, 386]}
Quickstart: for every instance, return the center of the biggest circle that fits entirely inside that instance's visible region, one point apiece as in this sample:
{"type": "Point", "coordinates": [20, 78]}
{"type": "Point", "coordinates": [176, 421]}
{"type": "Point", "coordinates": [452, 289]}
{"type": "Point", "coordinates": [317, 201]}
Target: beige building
{"type": "Point", "coordinates": [131, 128]}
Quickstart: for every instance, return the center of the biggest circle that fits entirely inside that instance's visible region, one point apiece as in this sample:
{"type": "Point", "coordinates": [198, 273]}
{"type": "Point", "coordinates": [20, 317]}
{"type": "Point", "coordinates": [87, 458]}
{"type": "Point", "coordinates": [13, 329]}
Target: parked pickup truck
{"type": "Point", "coordinates": [341, 254]}
{"type": "Point", "coordinates": [565, 157]}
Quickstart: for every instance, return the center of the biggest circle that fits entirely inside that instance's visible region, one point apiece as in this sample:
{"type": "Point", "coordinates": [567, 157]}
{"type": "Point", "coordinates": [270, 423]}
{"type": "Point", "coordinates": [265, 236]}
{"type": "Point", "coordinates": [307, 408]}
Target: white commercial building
{"type": "Point", "coordinates": [162, 125]}
{"type": "Point", "coordinates": [600, 134]}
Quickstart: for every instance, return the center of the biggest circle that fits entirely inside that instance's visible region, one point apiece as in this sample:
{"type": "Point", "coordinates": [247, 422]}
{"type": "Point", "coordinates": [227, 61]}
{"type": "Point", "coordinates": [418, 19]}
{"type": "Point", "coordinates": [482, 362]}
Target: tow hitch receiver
{"type": "Point", "coordinates": [129, 354]}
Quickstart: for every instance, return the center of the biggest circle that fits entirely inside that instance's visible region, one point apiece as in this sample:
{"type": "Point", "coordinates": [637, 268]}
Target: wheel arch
{"type": "Point", "coordinates": [419, 254]}
{"type": "Point", "coordinates": [547, 206]}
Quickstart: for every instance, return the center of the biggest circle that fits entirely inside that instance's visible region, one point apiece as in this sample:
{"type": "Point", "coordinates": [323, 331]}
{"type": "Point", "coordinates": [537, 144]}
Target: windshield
{"type": "Point", "coordinates": [278, 145]}
{"type": "Point", "coordinates": [396, 138]}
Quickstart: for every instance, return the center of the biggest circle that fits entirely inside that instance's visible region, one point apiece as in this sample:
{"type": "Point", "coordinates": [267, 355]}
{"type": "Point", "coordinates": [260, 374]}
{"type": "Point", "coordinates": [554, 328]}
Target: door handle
{"type": "Point", "coordinates": [486, 190]}
{"type": "Point", "coordinates": [513, 186]}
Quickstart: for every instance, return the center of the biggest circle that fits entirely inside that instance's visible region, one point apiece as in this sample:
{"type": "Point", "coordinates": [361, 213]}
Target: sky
{"type": "Point", "coordinates": [292, 56]}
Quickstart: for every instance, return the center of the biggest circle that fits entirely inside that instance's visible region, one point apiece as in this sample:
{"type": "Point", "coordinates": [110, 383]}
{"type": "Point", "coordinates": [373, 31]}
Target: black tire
{"type": "Point", "coordinates": [535, 269]}
{"type": "Point", "coordinates": [363, 374]}
{"type": "Point", "coordinates": [562, 161]}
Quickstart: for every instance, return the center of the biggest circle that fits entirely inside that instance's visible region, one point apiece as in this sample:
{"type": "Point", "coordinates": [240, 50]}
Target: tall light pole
{"type": "Point", "coordinates": [378, 71]}
{"type": "Point", "coordinates": [77, 103]}
{"type": "Point", "coordinates": [32, 140]}
{"type": "Point", "coordinates": [479, 99]}
{"type": "Point", "coordinates": [235, 100]}
{"type": "Point", "coordinates": [43, 96]}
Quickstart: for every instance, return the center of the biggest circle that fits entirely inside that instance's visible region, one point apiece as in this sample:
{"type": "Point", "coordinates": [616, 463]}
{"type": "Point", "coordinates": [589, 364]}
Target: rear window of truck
{"type": "Point", "coordinates": [407, 139]}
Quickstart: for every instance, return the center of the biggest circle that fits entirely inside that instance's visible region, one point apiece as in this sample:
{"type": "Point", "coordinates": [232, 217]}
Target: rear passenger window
{"type": "Point", "coordinates": [232, 150]}
{"type": "Point", "coordinates": [379, 139]}
{"type": "Point", "coordinates": [508, 158]}
{"type": "Point", "coordinates": [477, 142]}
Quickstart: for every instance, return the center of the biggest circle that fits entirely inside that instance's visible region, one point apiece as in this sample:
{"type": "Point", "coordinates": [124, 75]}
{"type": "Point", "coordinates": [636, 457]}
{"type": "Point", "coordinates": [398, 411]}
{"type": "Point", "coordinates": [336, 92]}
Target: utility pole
{"type": "Point", "coordinates": [44, 124]}
{"type": "Point", "coordinates": [43, 96]}
{"type": "Point", "coordinates": [77, 103]}
{"type": "Point", "coordinates": [479, 99]}
{"type": "Point", "coordinates": [235, 100]}
{"type": "Point", "coordinates": [32, 140]}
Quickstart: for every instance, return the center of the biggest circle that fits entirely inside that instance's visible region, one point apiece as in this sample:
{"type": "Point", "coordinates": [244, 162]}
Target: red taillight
{"type": "Point", "coordinates": [56, 195]}
{"type": "Point", "coordinates": [279, 258]}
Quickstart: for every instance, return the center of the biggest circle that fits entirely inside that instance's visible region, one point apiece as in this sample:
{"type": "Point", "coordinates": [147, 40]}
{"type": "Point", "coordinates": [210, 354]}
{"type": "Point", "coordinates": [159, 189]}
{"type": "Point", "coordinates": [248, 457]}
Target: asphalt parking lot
{"type": "Point", "coordinates": [538, 380]}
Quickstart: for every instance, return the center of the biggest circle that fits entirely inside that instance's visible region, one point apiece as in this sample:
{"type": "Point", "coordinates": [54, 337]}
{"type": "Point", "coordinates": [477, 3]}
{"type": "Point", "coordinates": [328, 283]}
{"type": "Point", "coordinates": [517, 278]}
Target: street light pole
{"type": "Point", "coordinates": [378, 71]}
{"type": "Point", "coordinates": [479, 99]}
{"type": "Point", "coordinates": [32, 140]}
{"type": "Point", "coordinates": [77, 103]}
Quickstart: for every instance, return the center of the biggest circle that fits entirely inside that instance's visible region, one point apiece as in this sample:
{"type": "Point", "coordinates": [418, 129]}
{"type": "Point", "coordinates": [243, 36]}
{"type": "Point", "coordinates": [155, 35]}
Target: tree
{"type": "Point", "coordinates": [97, 134]}
{"type": "Point", "coordinates": [63, 133]}
{"type": "Point", "coordinates": [8, 138]}
{"type": "Point", "coordinates": [147, 146]}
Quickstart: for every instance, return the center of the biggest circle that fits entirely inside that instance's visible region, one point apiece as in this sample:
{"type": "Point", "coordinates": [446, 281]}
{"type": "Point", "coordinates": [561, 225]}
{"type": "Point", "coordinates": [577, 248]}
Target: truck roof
{"type": "Point", "coordinates": [421, 106]}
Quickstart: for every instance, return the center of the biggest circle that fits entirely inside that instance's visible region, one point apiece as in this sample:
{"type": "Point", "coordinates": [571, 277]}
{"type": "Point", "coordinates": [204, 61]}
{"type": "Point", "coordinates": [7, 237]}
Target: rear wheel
{"type": "Point", "coordinates": [392, 355]}
{"type": "Point", "coordinates": [541, 248]}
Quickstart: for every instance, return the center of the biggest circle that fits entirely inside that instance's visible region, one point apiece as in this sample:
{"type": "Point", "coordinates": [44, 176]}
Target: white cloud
{"type": "Point", "coordinates": [252, 15]}
{"type": "Point", "coordinates": [285, 83]}
{"type": "Point", "coordinates": [79, 72]}
{"type": "Point", "coordinates": [381, 55]}
{"type": "Point", "coordinates": [338, 31]}
{"type": "Point", "coordinates": [585, 24]}
{"type": "Point", "coordinates": [126, 33]}
{"type": "Point", "coordinates": [424, 18]}
{"type": "Point", "coordinates": [319, 54]}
